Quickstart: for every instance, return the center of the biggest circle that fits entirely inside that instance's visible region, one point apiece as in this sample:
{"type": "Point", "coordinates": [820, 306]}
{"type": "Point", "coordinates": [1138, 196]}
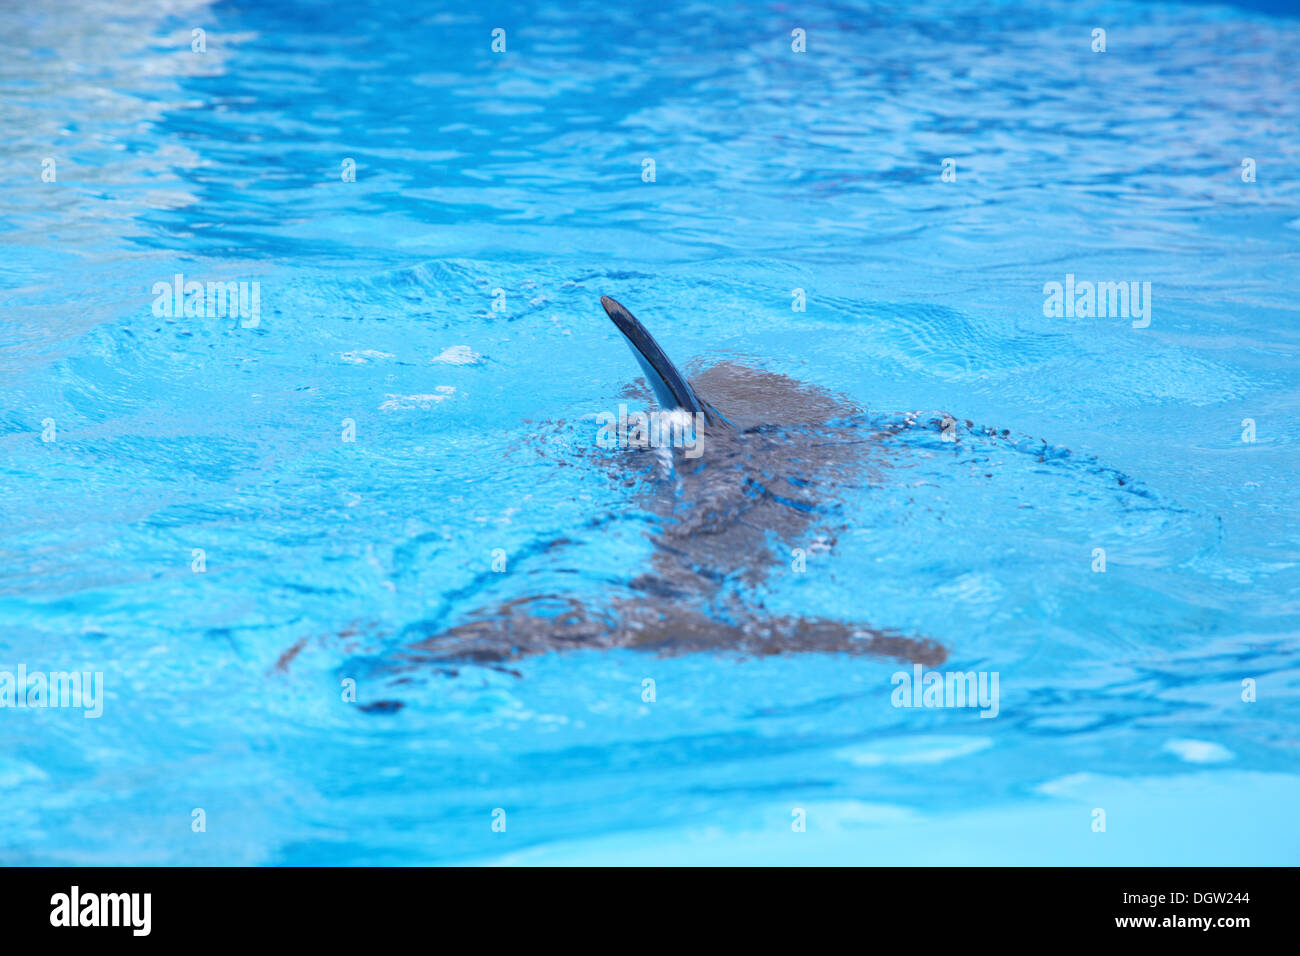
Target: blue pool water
{"type": "Point", "coordinates": [182, 514]}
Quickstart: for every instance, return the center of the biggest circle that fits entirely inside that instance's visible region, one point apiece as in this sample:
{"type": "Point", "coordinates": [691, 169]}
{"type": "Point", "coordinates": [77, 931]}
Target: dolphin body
{"type": "Point", "coordinates": [772, 456]}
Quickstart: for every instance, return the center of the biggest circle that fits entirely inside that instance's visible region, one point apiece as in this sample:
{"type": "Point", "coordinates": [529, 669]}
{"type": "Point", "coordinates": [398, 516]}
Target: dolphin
{"type": "Point", "coordinates": [773, 451]}
{"type": "Point", "coordinates": [670, 387]}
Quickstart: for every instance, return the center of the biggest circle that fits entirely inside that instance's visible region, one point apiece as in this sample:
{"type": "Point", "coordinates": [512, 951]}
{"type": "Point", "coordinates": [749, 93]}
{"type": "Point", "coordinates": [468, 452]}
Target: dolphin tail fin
{"type": "Point", "coordinates": [670, 386]}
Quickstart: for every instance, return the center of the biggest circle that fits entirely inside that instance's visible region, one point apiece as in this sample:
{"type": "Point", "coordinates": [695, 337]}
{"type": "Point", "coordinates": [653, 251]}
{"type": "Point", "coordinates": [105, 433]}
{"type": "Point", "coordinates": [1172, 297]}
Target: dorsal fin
{"type": "Point", "coordinates": [670, 386]}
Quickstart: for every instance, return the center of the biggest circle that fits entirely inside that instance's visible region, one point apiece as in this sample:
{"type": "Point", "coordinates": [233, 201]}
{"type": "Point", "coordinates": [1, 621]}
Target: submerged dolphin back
{"type": "Point", "coordinates": [669, 385]}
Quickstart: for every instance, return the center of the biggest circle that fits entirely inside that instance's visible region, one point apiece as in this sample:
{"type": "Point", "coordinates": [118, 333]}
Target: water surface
{"type": "Point", "coordinates": [523, 172]}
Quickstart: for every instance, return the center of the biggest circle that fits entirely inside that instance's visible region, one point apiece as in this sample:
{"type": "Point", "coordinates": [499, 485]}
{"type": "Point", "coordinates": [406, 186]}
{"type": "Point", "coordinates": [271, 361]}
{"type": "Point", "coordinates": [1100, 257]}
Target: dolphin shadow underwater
{"type": "Point", "coordinates": [767, 455]}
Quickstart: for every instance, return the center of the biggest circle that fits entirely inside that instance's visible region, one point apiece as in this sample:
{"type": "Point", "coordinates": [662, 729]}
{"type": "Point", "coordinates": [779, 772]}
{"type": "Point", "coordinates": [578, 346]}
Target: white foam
{"type": "Point", "coordinates": [457, 355]}
{"type": "Point", "coordinates": [1198, 751]}
{"type": "Point", "coordinates": [362, 356]}
{"type": "Point", "coordinates": [398, 402]}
